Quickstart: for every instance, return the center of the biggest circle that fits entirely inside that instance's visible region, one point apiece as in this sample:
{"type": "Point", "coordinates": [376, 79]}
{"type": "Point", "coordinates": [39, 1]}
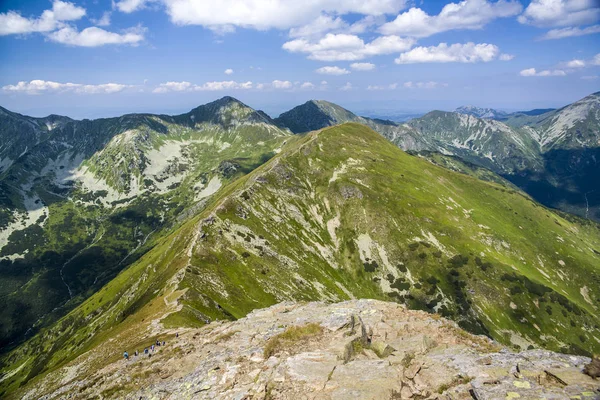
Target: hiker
{"type": "Point", "coordinates": [176, 334]}
{"type": "Point", "coordinates": [146, 350]}
{"type": "Point", "coordinates": [136, 353]}
{"type": "Point", "coordinates": [126, 355]}
{"type": "Point", "coordinates": [163, 343]}
{"type": "Point", "coordinates": [152, 347]}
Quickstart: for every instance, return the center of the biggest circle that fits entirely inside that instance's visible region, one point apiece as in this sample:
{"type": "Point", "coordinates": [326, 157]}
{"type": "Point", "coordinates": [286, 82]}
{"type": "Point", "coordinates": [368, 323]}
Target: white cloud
{"type": "Point", "coordinates": [570, 32]}
{"type": "Point", "coordinates": [228, 71]}
{"type": "Point", "coordinates": [575, 64]}
{"type": "Point", "coordinates": [65, 11]}
{"type": "Point", "coordinates": [332, 71]}
{"type": "Point", "coordinates": [547, 72]}
{"type": "Point", "coordinates": [94, 36]}
{"type": "Point", "coordinates": [224, 85]}
{"type": "Point", "coordinates": [268, 14]}
{"type": "Point", "coordinates": [442, 53]}
{"type": "Point", "coordinates": [307, 85]}
{"type": "Point", "coordinates": [319, 26]}
{"type": "Point", "coordinates": [12, 22]}
{"type": "Point", "coordinates": [281, 84]}
{"type": "Point", "coordinates": [544, 13]}
{"type": "Point", "coordinates": [344, 47]}
{"type": "Point", "coordinates": [208, 86]}
{"type": "Point", "coordinates": [468, 14]}
{"type": "Point", "coordinates": [391, 86]}
{"type": "Point", "coordinates": [347, 86]}
{"type": "Point", "coordinates": [39, 86]}
{"type": "Point", "coordinates": [424, 85]}
{"type": "Point", "coordinates": [173, 87]}
{"type": "Point", "coordinates": [102, 21]}
{"type": "Point", "coordinates": [589, 77]}
{"type": "Point", "coordinates": [362, 66]}
{"type": "Point", "coordinates": [129, 6]}
{"type": "Point", "coordinates": [329, 24]}
{"type": "Point", "coordinates": [506, 57]}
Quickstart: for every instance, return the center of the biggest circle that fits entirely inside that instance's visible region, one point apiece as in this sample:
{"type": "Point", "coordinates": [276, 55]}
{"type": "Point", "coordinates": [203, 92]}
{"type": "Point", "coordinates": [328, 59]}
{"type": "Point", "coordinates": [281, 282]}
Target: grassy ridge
{"type": "Point", "coordinates": [342, 213]}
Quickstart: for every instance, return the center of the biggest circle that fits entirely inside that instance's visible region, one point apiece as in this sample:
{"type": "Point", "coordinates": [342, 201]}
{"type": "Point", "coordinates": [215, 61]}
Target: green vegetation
{"type": "Point", "coordinates": [291, 339]}
{"type": "Point", "coordinates": [340, 213]}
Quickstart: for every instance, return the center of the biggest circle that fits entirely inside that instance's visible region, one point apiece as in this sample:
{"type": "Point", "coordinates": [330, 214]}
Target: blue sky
{"type": "Point", "coordinates": [100, 58]}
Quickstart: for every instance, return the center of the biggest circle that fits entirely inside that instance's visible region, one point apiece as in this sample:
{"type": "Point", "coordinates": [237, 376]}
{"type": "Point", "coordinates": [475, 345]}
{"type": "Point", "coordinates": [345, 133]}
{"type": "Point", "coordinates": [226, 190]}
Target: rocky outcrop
{"type": "Point", "coordinates": [359, 349]}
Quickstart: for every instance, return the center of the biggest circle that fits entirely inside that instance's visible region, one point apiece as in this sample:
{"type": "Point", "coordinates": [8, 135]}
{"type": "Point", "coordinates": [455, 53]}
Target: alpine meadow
{"type": "Point", "coordinates": [369, 235]}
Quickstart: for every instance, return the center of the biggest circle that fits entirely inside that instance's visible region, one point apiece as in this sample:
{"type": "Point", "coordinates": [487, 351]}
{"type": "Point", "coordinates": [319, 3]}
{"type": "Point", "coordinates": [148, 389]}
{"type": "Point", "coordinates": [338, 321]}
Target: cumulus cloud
{"type": "Point", "coordinates": [468, 14]}
{"type": "Point", "coordinates": [12, 22]}
{"type": "Point", "coordinates": [185, 86]}
{"type": "Point", "coordinates": [362, 66]}
{"type": "Point", "coordinates": [104, 20]}
{"type": "Point", "coordinates": [94, 36]}
{"type": "Point", "coordinates": [268, 14]}
{"type": "Point", "coordinates": [228, 71]}
{"type": "Point", "coordinates": [276, 84]}
{"type": "Point", "coordinates": [129, 6]}
{"type": "Point", "coordinates": [322, 24]}
{"type": "Point", "coordinates": [424, 85]}
{"type": "Point", "coordinates": [570, 32]}
{"type": "Point", "coordinates": [506, 57]}
{"type": "Point", "coordinates": [547, 72]}
{"type": "Point", "coordinates": [554, 13]}
{"type": "Point", "coordinates": [39, 86]}
{"type": "Point", "coordinates": [307, 85]}
{"type": "Point", "coordinates": [345, 47]}
{"type": "Point", "coordinates": [328, 70]}
{"type": "Point", "coordinates": [442, 53]}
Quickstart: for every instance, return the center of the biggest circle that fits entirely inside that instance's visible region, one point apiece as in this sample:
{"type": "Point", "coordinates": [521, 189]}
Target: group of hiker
{"type": "Point", "coordinates": [148, 350]}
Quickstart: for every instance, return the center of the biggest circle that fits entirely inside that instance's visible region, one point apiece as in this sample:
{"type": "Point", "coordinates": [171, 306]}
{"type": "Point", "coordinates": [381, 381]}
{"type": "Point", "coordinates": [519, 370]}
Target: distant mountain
{"type": "Point", "coordinates": [318, 114]}
{"type": "Point", "coordinates": [487, 113]}
{"type": "Point", "coordinates": [340, 213]}
{"type": "Point", "coordinates": [485, 142]}
{"type": "Point", "coordinates": [537, 111]}
{"type": "Point", "coordinates": [82, 200]}
{"type": "Point", "coordinates": [552, 154]}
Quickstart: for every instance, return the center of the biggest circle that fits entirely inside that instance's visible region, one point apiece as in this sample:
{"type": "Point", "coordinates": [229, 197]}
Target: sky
{"type": "Point", "coordinates": [98, 58]}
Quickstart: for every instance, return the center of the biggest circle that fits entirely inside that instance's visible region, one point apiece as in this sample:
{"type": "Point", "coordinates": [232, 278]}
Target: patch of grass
{"type": "Point", "coordinates": [291, 338]}
{"type": "Point", "coordinates": [458, 380]}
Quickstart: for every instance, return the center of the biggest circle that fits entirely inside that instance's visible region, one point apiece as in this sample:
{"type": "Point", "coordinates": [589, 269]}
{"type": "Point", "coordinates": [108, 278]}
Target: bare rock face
{"type": "Point", "coordinates": [359, 349]}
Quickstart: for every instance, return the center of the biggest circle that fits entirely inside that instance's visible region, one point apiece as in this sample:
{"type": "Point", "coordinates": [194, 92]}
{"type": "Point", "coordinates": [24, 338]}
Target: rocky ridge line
{"type": "Point", "coordinates": [358, 349]}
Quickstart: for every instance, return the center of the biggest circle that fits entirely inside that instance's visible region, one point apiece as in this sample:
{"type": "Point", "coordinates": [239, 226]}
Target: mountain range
{"type": "Point", "coordinates": [113, 228]}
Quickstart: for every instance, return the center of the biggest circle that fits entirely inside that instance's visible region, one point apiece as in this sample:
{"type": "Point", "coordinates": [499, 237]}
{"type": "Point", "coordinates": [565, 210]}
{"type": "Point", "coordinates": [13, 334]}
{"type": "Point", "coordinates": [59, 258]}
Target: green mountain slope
{"type": "Point", "coordinates": [343, 213]}
{"type": "Point", "coordinates": [486, 142]}
{"type": "Point", "coordinates": [85, 199]}
{"type": "Point", "coordinates": [551, 154]}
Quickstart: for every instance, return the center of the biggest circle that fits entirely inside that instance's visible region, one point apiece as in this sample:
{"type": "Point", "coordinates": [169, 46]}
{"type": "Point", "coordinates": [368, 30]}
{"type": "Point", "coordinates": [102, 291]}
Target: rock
{"type": "Point", "coordinates": [593, 368]}
{"type": "Point", "coordinates": [367, 350]}
{"type": "Point", "coordinates": [413, 370]}
{"type": "Point", "coordinates": [382, 349]}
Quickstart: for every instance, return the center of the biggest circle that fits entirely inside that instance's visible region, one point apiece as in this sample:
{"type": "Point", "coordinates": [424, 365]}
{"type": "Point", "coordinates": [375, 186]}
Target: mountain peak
{"type": "Point", "coordinates": [315, 114]}
{"type": "Point", "coordinates": [480, 112]}
{"type": "Point", "coordinates": [226, 111]}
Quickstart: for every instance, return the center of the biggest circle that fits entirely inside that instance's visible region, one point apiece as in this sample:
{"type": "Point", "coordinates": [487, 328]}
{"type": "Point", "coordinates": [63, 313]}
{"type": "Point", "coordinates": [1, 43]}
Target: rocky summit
{"type": "Point", "coordinates": [359, 349]}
